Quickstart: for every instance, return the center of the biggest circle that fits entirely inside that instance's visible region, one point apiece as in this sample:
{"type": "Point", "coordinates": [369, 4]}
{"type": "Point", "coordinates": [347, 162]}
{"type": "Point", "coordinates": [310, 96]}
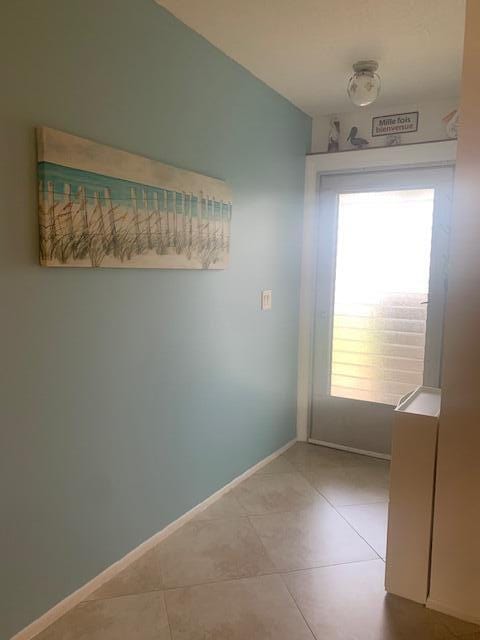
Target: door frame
{"type": "Point", "coordinates": [413, 156]}
{"type": "Point", "coordinates": [365, 425]}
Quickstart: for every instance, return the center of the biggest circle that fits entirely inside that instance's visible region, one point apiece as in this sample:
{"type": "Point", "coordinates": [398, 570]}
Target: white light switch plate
{"type": "Point", "coordinates": [266, 300]}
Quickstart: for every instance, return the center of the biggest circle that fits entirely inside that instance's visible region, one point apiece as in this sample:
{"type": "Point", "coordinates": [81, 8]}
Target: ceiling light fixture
{"type": "Point", "coordinates": [364, 86]}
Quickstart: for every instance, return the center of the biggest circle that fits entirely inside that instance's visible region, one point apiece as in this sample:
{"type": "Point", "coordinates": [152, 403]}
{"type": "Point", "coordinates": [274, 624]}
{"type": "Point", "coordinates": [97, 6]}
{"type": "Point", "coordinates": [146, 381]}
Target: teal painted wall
{"type": "Point", "coordinates": [128, 396]}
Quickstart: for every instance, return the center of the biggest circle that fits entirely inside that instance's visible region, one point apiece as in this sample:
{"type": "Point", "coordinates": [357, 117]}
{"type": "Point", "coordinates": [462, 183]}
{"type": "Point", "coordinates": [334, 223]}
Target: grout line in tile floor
{"type": "Point", "coordinates": [356, 504]}
{"type": "Point", "coordinates": [282, 573]}
{"type": "Point", "coordinates": [379, 557]}
{"type": "Point", "coordinates": [277, 572]}
{"type": "Point", "coordinates": [298, 607]}
{"type": "Point", "coordinates": [124, 595]}
{"type": "Point", "coordinates": [349, 524]}
{"type": "Point", "coordinates": [168, 616]}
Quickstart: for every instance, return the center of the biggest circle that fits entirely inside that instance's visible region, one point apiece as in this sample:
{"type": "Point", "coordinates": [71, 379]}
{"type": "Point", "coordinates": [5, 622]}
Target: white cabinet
{"type": "Point", "coordinates": [412, 482]}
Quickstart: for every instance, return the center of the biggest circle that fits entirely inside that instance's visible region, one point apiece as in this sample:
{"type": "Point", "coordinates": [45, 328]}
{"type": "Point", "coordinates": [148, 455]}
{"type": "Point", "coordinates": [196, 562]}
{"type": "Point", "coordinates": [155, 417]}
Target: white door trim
{"type": "Point", "coordinates": [434, 154]}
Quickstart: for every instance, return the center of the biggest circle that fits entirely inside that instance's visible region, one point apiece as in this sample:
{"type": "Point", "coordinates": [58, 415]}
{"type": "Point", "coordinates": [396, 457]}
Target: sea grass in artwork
{"type": "Point", "coordinates": [102, 207]}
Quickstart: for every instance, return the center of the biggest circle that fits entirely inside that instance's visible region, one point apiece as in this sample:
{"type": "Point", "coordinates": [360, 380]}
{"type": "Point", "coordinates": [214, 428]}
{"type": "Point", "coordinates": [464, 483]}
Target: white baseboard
{"type": "Point", "coordinates": [438, 606]}
{"type": "Point", "coordinates": [95, 583]}
{"type": "Point", "coordinates": [363, 452]}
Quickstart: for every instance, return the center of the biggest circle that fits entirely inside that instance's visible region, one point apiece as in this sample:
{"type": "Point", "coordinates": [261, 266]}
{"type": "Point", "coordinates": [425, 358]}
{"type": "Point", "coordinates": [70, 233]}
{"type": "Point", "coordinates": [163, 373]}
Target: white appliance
{"type": "Point", "coordinates": [412, 486]}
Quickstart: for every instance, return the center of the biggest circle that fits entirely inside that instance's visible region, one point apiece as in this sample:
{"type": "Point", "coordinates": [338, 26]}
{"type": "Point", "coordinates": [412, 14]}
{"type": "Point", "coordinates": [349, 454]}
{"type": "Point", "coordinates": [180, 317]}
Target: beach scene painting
{"type": "Point", "coordinates": [102, 207]}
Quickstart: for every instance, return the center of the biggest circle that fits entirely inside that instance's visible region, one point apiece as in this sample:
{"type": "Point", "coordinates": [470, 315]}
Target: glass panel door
{"type": "Point", "coordinates": [381, 284]}
{"type": "Point", "coordinates": [381, 287]}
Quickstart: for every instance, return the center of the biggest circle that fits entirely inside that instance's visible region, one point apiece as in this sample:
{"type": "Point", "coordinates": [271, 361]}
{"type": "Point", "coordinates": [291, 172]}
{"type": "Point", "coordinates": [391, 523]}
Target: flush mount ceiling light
{"type": "Point", "coordinates": [364, 86]}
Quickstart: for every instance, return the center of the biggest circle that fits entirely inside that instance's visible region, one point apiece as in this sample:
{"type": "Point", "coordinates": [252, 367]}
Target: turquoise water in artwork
{"type": "Point", "coordinates": [89, 216]}
{"type": "Point", "coordinates": [121, 190]}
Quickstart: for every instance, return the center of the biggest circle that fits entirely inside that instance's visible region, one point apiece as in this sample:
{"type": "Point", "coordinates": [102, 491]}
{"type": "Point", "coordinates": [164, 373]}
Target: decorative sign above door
{"type": "Point", "coordinates": [395, 123]}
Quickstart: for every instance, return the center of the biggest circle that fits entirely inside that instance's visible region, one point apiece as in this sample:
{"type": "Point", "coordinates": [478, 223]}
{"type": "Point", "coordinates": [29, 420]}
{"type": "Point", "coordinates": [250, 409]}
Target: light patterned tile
{"type": "Point", "coordinates": [141, 576]}
{"type": "Point", "coordinates": [351, 485]}
{"type": "Point", "coordinates": [250, 609]}
{"type": "Point", "coordinates": [348, 601]}
{"type": "Point", "coordinates": [279, 465]}
{"type": "Point", "coordinates": [370, 520]}
{"type": "Point", "coordinates": [275, 492]}
{"type": "Point", "coordinates": [137, 617]}
{"type": "Point", "coordinates": [227, 506]}
{"type": "Point", "coordinates": [209, 550]}
{"type": "Point", "coordinates": [313, 537]}
{"type": "Point", "coordinates": [310, 457]}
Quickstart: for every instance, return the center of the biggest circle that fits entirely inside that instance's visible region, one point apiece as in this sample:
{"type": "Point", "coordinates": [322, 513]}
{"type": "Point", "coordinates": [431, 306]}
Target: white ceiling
{"type": "Point", "coordinates": [304, 49]}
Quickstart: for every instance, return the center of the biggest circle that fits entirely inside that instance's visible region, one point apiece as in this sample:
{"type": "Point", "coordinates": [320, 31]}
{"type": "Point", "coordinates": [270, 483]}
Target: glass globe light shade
{"type": "Point", "coordinates": [364, 86]}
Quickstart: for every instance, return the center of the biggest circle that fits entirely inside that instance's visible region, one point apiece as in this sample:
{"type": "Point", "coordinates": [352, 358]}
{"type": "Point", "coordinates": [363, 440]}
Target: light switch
{"type": "Point", "coordinates": [266, 300]}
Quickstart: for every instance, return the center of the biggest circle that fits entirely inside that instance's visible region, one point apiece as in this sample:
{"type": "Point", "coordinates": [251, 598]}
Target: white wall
{"type": "Point", "coordinates": [455, 576]}
{"type": "Point", "coordinates": [430, 125]}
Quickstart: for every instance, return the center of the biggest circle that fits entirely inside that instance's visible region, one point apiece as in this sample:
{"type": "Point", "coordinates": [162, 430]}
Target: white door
{"type": "Point", "coordinates": [380, 293]}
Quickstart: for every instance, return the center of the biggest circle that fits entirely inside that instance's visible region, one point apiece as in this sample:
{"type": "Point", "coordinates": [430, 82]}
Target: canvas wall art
{"type": "Point", "coordinates": [103, 207]}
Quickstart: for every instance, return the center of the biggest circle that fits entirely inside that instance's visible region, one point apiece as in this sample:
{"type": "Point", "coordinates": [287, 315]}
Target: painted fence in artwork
{"type": "Point", "coordinates": [78, 224]}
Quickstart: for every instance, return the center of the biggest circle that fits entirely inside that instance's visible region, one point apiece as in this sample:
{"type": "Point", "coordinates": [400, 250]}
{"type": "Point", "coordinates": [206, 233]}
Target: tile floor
{"type": "Point", "coordinates": [296, 552]}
